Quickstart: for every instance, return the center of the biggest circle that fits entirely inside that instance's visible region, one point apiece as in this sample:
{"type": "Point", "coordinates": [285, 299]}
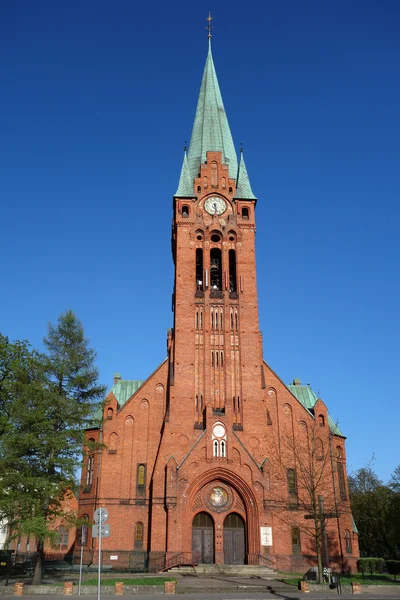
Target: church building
{"type": "Point", "coordinates": [213, 459]}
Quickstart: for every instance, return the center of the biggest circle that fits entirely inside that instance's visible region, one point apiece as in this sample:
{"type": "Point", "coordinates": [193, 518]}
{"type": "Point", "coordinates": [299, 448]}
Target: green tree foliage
{"type": "Point", "coordinates": [50, 399]}
{"type": "Point", "coordinates": [371, 565]}
{"type": "Point", "coordinates": [376, 512]}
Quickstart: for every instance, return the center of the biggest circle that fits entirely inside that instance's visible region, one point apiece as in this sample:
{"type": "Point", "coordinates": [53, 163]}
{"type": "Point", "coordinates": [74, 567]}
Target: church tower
{"type": "Point", "coordinates": [203, 460]}
{"type": "Point", "coordinates": [217, 348]}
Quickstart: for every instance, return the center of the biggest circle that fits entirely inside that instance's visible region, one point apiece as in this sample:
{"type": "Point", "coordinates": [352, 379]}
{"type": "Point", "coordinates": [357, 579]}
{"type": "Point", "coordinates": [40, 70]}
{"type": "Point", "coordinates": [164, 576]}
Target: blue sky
{"type": "Point", "coordinates": [97, 101]}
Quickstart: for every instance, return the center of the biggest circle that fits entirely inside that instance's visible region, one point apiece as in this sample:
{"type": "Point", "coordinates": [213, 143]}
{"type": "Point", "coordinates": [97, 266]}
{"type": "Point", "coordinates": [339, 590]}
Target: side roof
{"type": "Point", "coordinates": [308, 399]}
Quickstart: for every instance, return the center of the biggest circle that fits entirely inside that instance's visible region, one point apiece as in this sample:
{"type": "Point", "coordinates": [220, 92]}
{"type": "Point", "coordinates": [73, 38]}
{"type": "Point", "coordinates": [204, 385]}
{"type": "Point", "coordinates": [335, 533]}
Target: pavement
{"type": "Point", "coordinates": [225, 587]}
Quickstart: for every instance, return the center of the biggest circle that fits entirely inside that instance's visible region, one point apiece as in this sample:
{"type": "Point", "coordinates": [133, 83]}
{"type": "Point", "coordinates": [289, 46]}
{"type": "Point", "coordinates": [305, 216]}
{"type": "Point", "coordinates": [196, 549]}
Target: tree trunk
{"type": "Point", "coordinates": [319, 560]}
{"type": "Point", "coordinates": [37, 573]}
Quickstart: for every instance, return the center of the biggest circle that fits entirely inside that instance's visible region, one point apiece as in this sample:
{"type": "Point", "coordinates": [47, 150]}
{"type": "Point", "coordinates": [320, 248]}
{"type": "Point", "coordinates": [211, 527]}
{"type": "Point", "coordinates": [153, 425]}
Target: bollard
{"type": "Point", "coordinates": [68, 585]}
{"type": "Point", "coordinates": [169, 587]}
{"type": "Point", "coordinates": [355, 587]}
{"type": "Point", "coordinates": [304, 587]}
{"type": "Point", "coordinates": [119, 588]}
{"type": "Point", "coordinates": [18, 589]}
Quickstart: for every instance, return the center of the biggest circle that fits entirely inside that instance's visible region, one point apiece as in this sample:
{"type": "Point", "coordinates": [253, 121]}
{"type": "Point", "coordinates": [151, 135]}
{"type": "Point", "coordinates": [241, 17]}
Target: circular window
{"type": "Point", "coordinates": [215, 237]}
{"type": "Point", "coordinates": [199, 236]}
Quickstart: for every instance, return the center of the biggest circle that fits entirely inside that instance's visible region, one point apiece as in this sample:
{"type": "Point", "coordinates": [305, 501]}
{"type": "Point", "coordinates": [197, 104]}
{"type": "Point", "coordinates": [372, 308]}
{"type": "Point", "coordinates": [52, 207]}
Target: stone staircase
{"type": "Point", "coordinates": [261, 571]}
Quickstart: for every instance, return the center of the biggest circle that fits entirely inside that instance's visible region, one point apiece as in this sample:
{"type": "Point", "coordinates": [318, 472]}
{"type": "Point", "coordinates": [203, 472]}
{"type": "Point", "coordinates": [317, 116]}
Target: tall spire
{"type": "Point", "coordinates": [243, 187]}
{"type": "Point", "coordinates": [185, 185]}
{"type": "Point", "coordinates": [211, 130]}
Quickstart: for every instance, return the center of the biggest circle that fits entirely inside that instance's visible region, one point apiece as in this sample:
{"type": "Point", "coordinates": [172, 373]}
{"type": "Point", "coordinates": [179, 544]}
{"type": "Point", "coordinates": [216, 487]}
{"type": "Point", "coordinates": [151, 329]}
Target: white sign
{"type": "Point", "coordinates": [100, 515]}
{"type": "Point", "coordinates": [266, 536]}
{"type": "Point", "coordinates": [100, 531]}
{"type": "Point", "coordinates": [113, 557]}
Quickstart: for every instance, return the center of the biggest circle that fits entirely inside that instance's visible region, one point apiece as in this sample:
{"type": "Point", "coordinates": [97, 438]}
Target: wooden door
{"type": "Point", "coordinates": [203, 539]}
{"type": "Point", "coordinates": [234, 540]}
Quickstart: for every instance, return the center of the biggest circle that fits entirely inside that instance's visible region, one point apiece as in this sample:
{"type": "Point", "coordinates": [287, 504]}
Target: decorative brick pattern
{"type": "Point", "coordinates": [214, 373]}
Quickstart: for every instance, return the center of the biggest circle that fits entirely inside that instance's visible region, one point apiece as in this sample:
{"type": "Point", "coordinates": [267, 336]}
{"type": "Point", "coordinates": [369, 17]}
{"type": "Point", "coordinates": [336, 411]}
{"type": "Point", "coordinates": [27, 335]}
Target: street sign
{"type": "Point", "coordinates": [100, 514]}
{"type": "Point", "coordinates": [100, 531]}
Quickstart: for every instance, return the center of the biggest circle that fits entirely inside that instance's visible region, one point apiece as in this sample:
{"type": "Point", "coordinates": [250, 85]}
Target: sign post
{"type": "Point", "coordinates": [100, 517]}
{"type": "Point", "coordinates": [83, 542]}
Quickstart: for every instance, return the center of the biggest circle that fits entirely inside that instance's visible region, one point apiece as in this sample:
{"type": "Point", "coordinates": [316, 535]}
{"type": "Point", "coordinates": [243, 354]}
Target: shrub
{"type": "Point", "coordinates": [371, 565]}
{"type": "Point", "coordinates": [393, 567]}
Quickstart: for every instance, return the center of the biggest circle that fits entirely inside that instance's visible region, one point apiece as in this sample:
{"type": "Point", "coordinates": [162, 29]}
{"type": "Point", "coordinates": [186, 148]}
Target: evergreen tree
{"type": "Point", "coordinates": [374, 511]}
{"type": "Point", "coordinates": [54, 397]}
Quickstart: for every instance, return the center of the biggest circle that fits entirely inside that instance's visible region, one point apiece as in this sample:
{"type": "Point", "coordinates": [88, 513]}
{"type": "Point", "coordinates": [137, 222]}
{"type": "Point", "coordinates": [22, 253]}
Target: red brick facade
{"type": "Point", "coordinates": [212, 447]}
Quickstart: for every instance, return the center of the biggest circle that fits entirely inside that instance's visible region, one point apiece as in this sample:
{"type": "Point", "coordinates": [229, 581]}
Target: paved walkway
{"type": "Point", "coordinates": [226, 587]}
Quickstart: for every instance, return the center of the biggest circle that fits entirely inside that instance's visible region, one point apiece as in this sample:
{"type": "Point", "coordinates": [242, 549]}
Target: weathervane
{"type": "Point", "coordinates": [209, 26]}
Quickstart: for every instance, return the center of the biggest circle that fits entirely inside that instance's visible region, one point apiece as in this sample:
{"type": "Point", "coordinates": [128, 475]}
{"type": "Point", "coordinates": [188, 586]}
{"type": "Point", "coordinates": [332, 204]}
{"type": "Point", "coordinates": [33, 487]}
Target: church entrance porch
{"type": "Point", "coordinates": [234, 540]}
{"type": "Point", "coordinates": [203, 539]}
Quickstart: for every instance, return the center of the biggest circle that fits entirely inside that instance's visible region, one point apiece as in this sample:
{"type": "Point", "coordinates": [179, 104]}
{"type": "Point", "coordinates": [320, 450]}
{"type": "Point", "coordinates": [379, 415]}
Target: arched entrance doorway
{"type": "Point", "coordinates": [203, 538]}
{"type": "Point", "coordinates": [234, 540]}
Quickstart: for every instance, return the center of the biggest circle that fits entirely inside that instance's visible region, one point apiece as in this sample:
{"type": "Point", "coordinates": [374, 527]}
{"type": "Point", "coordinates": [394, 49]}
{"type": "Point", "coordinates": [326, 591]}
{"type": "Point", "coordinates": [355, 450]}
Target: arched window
{"type": "Point", "coordinates": [222, 449]}
{"type": "Point", "coordinates": [342, 484]}
{"type": "Point", "coordinates": [185, 211]}
{"type": "Point", "coordinates": [321, 420]}
{"type": "Point", "coordinates": [232, 271]}
{"type": "Point", "coordinates": [295, 538]}
{"type": "Point", "coordinates": [90, 462]}
{"type": "Point", "coordinates": [245, 213]}
{"type": "Point", "coordinates": [199, 269]}
{"type": "Point", "coordinates": [138, 535]}
{"type": "Point", "coordinates": [215, 448]}
{"type": "Point", "coordinates": [338, 452]}
{"type": "Point", "coordinates": [141, 479]}
{"type": "Point", "coordinates": [199, 188]}
{"type": "Point", "coordinates": [347, 538]}
{"type": "Point", "coordinates": [319, 449]}
{"type": "Point", "coordinates": [109, 414]}
{"type": "Point", "coordinates": [291, 482]}
{"type": "Point", "coordinates": [216, 269]}
{"type": "Point", "coordinates": [62, 538]}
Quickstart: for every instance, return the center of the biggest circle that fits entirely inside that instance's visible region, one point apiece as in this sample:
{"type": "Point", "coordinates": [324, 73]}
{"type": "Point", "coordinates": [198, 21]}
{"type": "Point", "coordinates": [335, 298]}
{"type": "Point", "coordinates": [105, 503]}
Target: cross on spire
{"type": "Point", "coordinates": [209, 26]}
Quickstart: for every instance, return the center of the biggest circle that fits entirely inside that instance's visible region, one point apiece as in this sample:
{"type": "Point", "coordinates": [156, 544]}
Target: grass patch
{"type": "Point", "coordinates": [377, 579]}
{"type": "Point", "coordinates": [130, 581]}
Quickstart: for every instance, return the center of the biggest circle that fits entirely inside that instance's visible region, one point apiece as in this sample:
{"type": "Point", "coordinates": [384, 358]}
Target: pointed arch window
{"type": "Point", "coordinates": [291, 482]}
{"type": "Point", "coordinates": [347, 538]}
{"type": "Point", "coordinates": [342, 484]}
{"type": "Point", "coordinates": [199, 269]}
{"type": "Point", "coordinates": [139, 535]}
{"type": "Point", "coordinates": [232, 271]}
{"type": "Point", "coordinates": [185, 211]}
{"type": "Point", "coordinates": [245, 213]}
{"type": "Point", "coordinates": [141, 480]}
{"type": "Point", "coordinates": [216, 269]}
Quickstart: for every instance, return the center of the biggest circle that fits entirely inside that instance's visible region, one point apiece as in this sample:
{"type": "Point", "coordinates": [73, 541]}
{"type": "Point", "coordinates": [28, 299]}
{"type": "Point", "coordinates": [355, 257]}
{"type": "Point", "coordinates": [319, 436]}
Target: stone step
{"type": "Point", "coordinates": [234, 570]}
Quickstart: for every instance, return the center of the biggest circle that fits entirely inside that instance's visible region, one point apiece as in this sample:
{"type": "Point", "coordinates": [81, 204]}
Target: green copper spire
{"type": "Point", "coordinates": [211, 128]}
{"type": "Point", "coordinates": [185, 186]}
{"type": "Point", "coordinates": [243, 187]}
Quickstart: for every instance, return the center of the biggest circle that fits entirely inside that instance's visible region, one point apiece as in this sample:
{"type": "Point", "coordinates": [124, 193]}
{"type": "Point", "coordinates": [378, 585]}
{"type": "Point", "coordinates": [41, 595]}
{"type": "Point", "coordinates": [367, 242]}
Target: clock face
{"type": "Point", "coordinates": [219, 431]}
{"type": "Point", "coordinates": [215, 205]}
